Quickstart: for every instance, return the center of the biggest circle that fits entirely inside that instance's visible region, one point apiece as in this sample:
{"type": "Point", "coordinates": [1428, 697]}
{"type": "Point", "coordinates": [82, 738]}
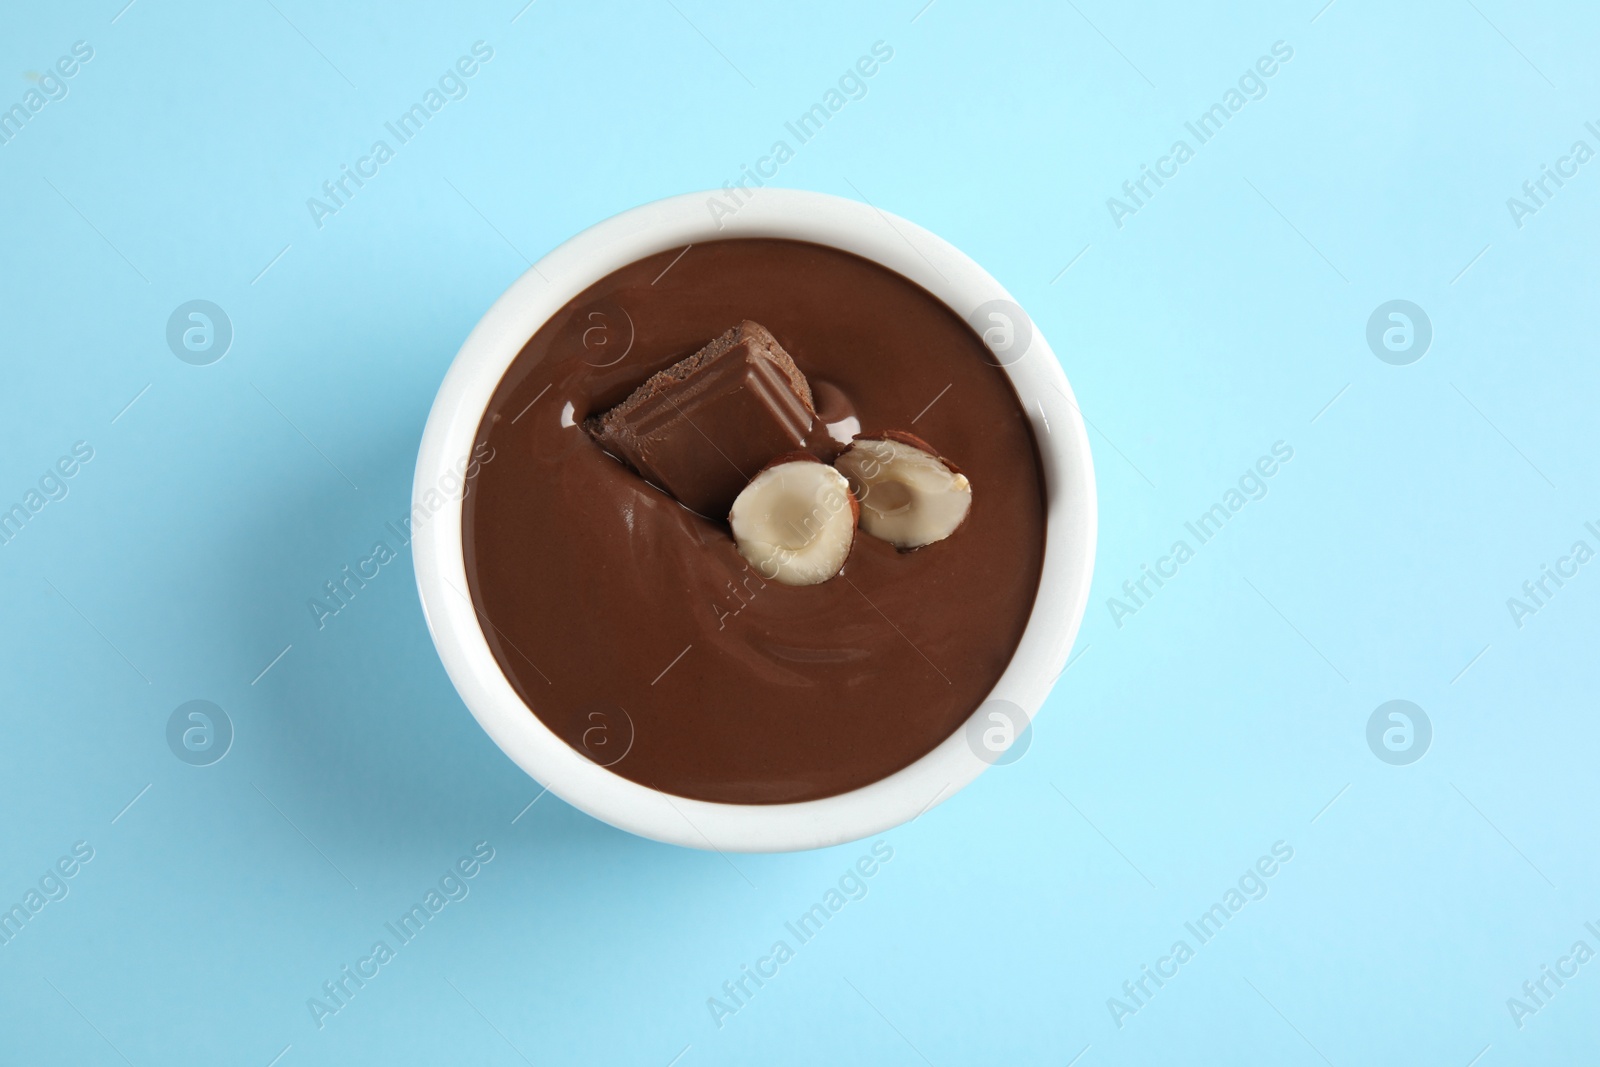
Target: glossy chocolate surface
{"type": "Point", "coordinates": [632, 627]}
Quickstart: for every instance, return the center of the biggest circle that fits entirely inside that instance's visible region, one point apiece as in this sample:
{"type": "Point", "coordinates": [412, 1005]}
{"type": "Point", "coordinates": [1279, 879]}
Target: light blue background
{"type": "Point", "coordinates": [1224, 716]}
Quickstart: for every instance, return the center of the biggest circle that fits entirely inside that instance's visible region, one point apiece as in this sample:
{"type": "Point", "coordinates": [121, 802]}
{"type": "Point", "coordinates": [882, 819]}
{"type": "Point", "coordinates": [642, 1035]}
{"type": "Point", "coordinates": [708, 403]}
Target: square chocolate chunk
{"type": "Point", "coordinates": [702, 428]}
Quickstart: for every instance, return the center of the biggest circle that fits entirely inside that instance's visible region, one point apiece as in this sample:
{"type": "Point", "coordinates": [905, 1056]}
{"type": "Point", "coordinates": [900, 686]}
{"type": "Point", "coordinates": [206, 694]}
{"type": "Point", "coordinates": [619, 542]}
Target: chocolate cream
{"type": "Point", "coordinates": [632, 627]}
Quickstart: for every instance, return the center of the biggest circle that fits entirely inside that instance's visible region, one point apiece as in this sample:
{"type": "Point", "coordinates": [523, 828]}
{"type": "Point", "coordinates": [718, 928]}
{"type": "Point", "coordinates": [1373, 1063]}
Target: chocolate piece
{"type": "Point", "coordinates": [703, 427]}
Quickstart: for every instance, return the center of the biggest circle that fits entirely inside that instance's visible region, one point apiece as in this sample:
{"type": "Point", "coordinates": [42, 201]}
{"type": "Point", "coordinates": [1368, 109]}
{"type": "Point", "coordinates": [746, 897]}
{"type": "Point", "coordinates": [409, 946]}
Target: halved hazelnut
{"type": "Point", "coordinates": [795, 521]}
{"type": "Point", "coordinates": [909, 495]}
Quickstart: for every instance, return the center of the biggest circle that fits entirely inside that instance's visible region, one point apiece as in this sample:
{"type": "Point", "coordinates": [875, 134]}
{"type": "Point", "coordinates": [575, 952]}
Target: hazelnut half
{"type": "Point", "coordinates": [796, 520]}
{"type": "Point", "coordinates": [910, 496]}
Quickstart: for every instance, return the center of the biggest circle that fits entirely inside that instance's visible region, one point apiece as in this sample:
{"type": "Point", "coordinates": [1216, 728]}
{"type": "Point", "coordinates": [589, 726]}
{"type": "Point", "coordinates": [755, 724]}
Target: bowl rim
{"type": "Point", "coordinates": [675, 222]}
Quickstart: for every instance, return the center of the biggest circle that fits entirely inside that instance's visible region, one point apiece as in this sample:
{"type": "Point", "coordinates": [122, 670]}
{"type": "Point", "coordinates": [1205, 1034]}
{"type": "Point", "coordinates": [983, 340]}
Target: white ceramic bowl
{"type": "Point", "coordinates": [673, 223]}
